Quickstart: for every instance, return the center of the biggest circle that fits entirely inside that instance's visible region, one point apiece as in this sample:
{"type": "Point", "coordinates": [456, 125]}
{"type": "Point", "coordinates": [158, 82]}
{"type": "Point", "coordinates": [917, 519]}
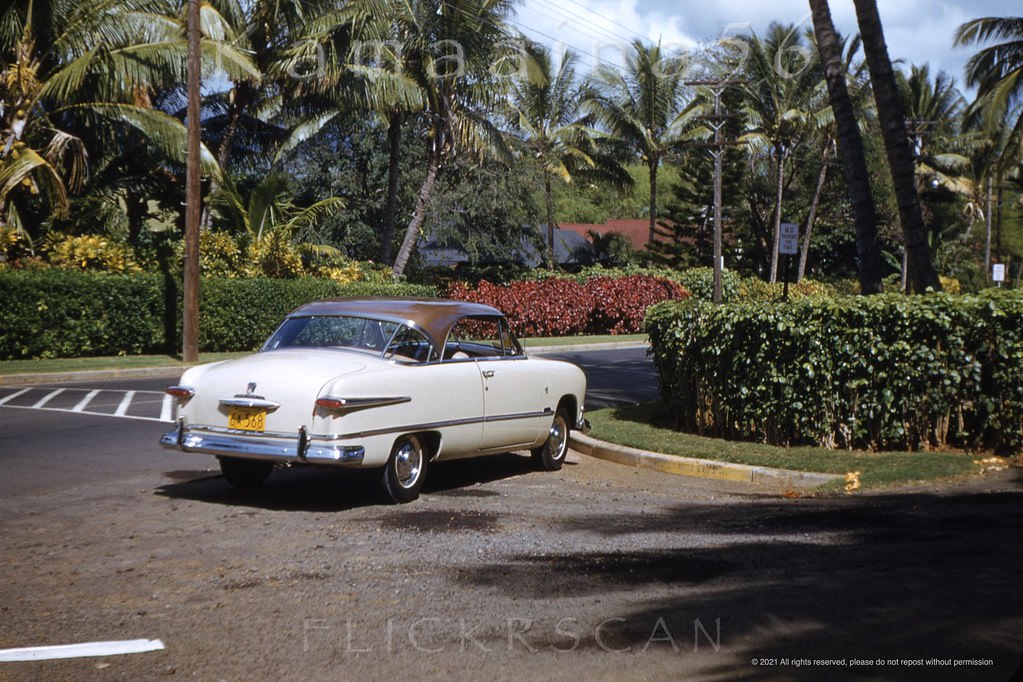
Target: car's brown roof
{"type": "Point", "coordinates": [434, 315]}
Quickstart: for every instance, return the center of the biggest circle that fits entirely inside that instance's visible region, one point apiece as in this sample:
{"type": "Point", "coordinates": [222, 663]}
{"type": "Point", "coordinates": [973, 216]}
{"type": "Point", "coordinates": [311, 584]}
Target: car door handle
{"type": "Point", "coordinates": [487, 373]}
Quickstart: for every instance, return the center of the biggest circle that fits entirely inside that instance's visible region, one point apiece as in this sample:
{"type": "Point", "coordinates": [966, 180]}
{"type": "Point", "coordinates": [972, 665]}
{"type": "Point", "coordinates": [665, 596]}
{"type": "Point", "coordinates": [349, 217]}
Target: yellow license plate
{"type": "Point", "coordinates": [246, 420]}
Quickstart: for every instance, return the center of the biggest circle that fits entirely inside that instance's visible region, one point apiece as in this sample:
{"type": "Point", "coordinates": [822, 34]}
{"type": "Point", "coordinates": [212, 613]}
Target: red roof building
{"type": "Point", "coordinates": [636, 230]}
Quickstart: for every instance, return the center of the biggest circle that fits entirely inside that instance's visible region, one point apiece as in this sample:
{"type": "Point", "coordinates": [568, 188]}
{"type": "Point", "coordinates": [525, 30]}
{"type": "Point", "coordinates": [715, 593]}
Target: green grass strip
{"type": "Point", "coordinates": [647, 427]}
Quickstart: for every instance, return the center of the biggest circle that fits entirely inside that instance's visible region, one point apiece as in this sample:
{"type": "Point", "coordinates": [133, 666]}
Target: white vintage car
{"type": "Point", "coordinates": [392, 384]}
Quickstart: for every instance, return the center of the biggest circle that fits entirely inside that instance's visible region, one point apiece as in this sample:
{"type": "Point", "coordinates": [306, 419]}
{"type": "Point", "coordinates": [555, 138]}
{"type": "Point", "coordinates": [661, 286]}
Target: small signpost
{"type": "Point", "coordinates": [788, 246]}
{"type": "Point", "coordinates": [998, 273]}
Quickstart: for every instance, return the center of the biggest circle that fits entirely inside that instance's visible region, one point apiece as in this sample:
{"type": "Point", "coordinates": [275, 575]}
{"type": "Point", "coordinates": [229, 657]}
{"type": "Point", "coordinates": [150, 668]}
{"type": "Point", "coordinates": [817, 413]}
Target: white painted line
{"type": "Point", "coordinates": [49, 396]}
{"type": "Point", "coordinates": [43, 653]}
{"type": "Point", "coordinates": [15, 395]}
{"type": "Point", "coordinates": [86, 412]}
{"type": "Point", "coordinates": [85, 401]}
{"type": "Point", "coordinates": [125, 404]}
{"type": "Point", "coordinates": [167, 409]}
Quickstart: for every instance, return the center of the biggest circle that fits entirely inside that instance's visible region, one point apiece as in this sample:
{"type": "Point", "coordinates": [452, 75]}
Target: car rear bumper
{"type": "Point", "coordinates": [297, 448]}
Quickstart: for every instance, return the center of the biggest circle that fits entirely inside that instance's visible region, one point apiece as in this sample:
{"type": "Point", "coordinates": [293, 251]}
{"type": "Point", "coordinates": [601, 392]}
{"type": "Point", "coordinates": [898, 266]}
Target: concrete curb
{"type": "Point", "coordinates": [29, 379]}
{"type": "Point", "coordinates": [584, 347]}
{"type": "Point", "coordinates": [698, 468]}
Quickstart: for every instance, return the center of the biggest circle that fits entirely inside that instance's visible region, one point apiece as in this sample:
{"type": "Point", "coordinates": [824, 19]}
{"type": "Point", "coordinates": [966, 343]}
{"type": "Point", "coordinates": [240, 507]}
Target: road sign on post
{"type": "Point", "coordinates": [789, 244]}
{"type": "Point", "coordinates": [998, 273]}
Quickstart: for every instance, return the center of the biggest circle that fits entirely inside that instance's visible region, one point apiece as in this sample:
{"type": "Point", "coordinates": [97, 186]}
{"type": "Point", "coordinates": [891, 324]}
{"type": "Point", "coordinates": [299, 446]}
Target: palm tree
{"type": "Point", "coordinates": [547, 122]}
{"type": "Point", "coordinates": [997, 70]}
{"type": "Point", "coordinates": [272, 223]}
{"type": "Point", "coordinates": [997, 73]}
{"type": "Point", "coordinates": [934, 110]}
{"type": "Point", "coordinates": [780, 106]}
{"type": "Point", "coordinates": [90, 70]}
{"type": "Point", "coordinates": [647, 107]}
{"type": "Point", "coordinates": [447, 50]}
{"type": "Point", "coordinates": [850, 145]}
{"type": "Point", "coordinates": [346, 58]}
{"type": "Point", "coordinates": [920, 268]}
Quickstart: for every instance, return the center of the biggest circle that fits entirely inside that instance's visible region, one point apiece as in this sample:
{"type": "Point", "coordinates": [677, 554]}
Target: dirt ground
{"type": "Point", "coordinates": [497, 572]}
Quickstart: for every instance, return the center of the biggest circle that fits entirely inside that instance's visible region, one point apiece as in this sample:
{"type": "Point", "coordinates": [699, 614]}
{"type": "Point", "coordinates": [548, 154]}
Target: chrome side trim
{"type": "Point", "coordinates": [354, 404]}
{"type": "Point", "coordinates": [430, 426]}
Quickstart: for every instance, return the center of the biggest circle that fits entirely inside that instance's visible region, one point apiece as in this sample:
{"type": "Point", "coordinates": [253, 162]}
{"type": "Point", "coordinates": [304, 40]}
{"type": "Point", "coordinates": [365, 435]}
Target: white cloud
{"type": "Point", "coordinates": [917, 31]}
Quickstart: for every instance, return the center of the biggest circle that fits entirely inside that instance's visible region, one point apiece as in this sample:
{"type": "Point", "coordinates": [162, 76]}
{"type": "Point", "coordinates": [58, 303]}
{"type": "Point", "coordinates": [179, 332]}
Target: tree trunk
{"type": "Point", "coordinates": [414, 225]}
{"type": "Point", "coordinates": [850, 146]}
{"type": "Point", "coordinates": [241, 96]}
{"type": "Point", "coordinates": [822, 177]}
{"type": "Point", "coordinates": [891, 114]}
{"type": "Point", "coordinates": [779, 191]}
{"type": "Point", "coordinates": [393, 178]}
{"type": "Point", "coordinates": [652, 166]}
{"type": "Point", "coordinates": [548, 196]}
{"type": "Point", "coordinates": [987, 232]}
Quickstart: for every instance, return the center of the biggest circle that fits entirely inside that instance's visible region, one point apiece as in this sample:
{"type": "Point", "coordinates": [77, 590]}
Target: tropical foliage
{"type": "Point", "coordinates": [343, 132]}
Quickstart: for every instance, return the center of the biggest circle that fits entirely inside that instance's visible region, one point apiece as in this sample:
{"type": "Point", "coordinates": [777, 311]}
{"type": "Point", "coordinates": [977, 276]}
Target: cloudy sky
{"type": "Point", "coordinates": [917, 31]}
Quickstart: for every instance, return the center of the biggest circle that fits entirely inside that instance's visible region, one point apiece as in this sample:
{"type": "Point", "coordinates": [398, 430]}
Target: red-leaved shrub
{"type": "Point", "coordinates": [564, 307]}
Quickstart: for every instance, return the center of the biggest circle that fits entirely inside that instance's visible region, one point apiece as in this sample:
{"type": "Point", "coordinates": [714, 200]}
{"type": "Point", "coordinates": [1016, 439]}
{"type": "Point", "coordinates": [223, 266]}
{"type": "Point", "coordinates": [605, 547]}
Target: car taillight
{"type": "Point", "coordinates": [331, 403]}
{"type": "Point", "coordinates": [180, 391]}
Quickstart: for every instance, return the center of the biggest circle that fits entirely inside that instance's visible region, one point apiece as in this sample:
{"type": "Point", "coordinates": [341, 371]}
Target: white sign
{"type": "Point", "coordinates": [789, 243]}
{"type": "Point", "coordinates": [998, 272]}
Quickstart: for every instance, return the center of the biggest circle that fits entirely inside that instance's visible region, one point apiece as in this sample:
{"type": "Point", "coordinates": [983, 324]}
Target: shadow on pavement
{"type": "Point", "coordinates": [895, 576]}
{"type": "Point", "coordinates": [323, 489]}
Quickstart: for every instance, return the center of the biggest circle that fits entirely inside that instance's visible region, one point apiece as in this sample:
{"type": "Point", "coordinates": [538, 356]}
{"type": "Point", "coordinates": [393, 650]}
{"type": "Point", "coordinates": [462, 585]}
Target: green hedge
{"type": "Point", "coordinates": [884, 372]}
{"type": "Point", "coordinates": [55, 313]}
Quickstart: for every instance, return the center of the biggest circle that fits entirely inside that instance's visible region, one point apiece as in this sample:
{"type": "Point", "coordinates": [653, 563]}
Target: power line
{"type": "Point", "coordinates": [578, 20]}
{"type": "Point", "coordinates": [587, 56]}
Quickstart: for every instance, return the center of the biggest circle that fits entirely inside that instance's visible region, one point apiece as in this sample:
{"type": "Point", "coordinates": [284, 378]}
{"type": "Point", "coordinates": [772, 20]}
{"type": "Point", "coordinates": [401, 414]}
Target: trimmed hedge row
{"type": "Point", "coordinates": [883, 372]}
{"type": "Point", "coordinates": [59, 313]}
{"type": "Point", "coordinates": [54, 313]}
{"type": "Point", "coordinates": [566, 307]}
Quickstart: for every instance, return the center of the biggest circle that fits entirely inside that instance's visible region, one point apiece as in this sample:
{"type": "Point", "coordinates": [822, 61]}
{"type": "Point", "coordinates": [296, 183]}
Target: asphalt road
{"type": "Point", "coordinates": [497, 572]}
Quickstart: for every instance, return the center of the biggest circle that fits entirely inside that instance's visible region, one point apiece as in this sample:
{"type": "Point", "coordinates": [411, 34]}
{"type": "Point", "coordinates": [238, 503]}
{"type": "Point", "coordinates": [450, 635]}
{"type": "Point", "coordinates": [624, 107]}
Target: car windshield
{"type": "Point", "coordinates": [390, 340]}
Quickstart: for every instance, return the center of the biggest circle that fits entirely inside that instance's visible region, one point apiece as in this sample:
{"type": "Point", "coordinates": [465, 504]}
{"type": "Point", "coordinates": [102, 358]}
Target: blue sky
{"type": "Point", "coordinates": [917, 31]}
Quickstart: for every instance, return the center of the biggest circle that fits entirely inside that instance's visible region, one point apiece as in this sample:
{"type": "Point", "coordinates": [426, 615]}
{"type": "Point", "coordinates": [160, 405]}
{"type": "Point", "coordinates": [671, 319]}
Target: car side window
{"type": "Point", "coordinates": [480, 337]}
{"type": "Point", "coordinates": [409, 345]}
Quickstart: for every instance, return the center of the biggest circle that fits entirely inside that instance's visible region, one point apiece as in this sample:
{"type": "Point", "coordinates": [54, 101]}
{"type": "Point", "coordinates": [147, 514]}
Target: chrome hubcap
{"type": "Point", "coordinates": [407, 465]}
{"type": "Point", "coordinates": [557, 441]}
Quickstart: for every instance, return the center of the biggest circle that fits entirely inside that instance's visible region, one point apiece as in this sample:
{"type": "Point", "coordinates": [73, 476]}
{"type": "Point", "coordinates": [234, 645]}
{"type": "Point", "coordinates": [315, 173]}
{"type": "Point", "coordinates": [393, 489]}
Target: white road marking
{"type": "Point", "coordinates": [125, 404]}
{"type": "Point", "coordinates": [44, 653]}
{"type": "Point", "coordinates": [85, 401]}
{"type": "Point", "coordinates": [143, 401]}
{"type": "Point", "coordinates": [49, 396]}
{"type": "Point", "coordinates": [15, 395]}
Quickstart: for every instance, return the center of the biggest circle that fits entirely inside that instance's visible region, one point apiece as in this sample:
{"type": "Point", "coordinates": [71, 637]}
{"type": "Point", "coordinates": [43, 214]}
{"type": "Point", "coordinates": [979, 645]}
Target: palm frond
{"type": "Point", "coordinates": [165, 132]}
{"type": "Point", "coordinates": [65, 148]}
{"type": "Point", "coordinates": [30, 169]}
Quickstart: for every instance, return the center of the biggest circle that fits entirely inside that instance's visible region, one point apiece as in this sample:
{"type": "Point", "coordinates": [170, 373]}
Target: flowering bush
{"type": "Point", "coordinates": [564, 307]}
{"type": "Point", "coordinates": [91, 252]}
{"type": "Point", "coordinates": [621, 302]}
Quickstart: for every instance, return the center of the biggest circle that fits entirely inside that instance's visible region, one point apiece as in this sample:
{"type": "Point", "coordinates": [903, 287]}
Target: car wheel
{"type": "Point", "coordinates": [551, 455]}
{"type": "Point", "coordinates": [405, 470]}
{"type": "Point", "coordinates": [245, 474]}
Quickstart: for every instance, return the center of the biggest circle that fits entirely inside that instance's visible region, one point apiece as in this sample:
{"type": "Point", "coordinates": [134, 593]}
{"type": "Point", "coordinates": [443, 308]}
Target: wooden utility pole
{"type": "Point", "coordinates": [193, 198]}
